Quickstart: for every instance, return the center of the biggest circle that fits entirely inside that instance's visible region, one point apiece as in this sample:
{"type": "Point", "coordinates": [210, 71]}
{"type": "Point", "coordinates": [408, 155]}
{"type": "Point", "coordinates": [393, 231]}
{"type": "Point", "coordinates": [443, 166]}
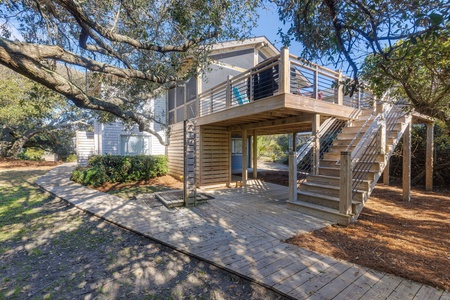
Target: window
{"type": "Point", "coordinates": [236, 146]}
{"type": "Point", "coordinates": [171, 99]}
{"type": "Point", "coordinates": [191, 89]}
{"type": "Point", "coordinates": [179, 96]}
{"type": "Point", "coordinates": [134, 145]}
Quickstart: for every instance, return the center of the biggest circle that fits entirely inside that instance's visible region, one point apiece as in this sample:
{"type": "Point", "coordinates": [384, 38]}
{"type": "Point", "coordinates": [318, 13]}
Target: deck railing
{"type": "Point", "coordinates": [283, 73]}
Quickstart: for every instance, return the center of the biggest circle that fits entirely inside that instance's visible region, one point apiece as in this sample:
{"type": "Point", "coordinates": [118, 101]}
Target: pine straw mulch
{"type": "Point", "coordinates": [408, 239]}
{"type": "Point", "coordinates": [162, 181]}
{"type": "Point", "coordinates": [18, 164]}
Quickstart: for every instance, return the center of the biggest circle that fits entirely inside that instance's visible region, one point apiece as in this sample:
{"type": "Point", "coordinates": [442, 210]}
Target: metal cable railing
{"type": "Point", "coordinates": [364, 162]}
{"type": "Point", "coordinates": [327, 134]}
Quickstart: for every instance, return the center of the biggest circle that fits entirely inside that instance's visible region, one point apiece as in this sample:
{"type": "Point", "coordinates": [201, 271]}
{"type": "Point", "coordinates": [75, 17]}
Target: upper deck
{"type": "Point", "coordinates": [278, 95]}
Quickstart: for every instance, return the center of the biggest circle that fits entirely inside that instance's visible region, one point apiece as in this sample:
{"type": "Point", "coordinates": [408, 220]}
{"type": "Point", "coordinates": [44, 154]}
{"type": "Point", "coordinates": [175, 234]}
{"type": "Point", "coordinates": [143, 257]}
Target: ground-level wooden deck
{"type": "Point", "coordinates": [242, 230]}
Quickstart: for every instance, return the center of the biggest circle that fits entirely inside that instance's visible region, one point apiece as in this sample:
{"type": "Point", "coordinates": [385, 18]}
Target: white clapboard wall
{"type": "Point", "coordinates": [85, 146]}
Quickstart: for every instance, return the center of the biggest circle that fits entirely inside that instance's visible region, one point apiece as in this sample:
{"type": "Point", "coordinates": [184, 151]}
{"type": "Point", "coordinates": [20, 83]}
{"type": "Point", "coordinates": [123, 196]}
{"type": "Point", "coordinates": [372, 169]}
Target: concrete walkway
{"type": "Point", "coordinates": [241, 230]}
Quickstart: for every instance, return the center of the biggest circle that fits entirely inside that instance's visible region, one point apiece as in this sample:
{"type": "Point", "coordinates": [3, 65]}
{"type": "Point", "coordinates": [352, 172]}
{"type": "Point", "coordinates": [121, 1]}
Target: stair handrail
{"type": "Point", "coordinates": [366, 139]}
{"type": "Point", "coordinates": [371, 148]}
{"type": "Point", "coordinates": [385, 96]}
{"type": "Point", "coordinates": [328, 132]}
{"type": "Point", "coordinates": [304, 150]}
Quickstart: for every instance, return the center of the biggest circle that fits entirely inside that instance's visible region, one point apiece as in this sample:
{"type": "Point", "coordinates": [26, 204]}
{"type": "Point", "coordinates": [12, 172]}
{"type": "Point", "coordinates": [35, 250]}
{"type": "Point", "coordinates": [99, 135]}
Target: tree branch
{"type": "Point", "coordinates": [38, 52]}
{"type": "Point", "coordinates": [35, 70]}
{"type": "Point", "coordinates": [82, 18]}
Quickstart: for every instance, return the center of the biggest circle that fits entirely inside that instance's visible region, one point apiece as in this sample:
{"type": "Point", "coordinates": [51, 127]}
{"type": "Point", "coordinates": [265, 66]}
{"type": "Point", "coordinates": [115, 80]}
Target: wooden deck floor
{"type": "Point", "coordinates": [242, 230]}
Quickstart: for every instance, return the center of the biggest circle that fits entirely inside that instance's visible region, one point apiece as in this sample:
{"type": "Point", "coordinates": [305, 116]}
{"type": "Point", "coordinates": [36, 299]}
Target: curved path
{"type": "Point", "coordinates": [241, 230]}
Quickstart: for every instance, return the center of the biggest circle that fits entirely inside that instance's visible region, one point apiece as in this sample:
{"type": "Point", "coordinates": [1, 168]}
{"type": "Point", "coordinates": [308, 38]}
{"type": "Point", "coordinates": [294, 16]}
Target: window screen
{"type": "Point", "coordinates": [134, 144]}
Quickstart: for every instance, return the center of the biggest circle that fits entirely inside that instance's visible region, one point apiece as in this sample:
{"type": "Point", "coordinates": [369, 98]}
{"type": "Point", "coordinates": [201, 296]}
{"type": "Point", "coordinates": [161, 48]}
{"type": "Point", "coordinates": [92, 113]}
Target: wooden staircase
{"type": "Point", "coordinates": [319, 194]}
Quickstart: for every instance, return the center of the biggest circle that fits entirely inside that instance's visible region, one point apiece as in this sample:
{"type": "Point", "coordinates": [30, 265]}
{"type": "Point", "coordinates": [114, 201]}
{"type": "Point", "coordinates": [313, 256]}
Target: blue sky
{"type": "Point", "coordinates": [268, 25]}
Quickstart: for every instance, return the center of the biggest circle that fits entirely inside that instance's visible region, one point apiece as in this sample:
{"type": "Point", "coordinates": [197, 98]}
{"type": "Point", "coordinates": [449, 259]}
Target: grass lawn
{"type": "Point", "coordinates": [49, 249]}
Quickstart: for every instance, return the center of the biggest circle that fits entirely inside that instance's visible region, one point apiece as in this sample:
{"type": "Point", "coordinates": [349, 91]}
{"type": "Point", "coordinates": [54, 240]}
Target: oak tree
{"type": "Point", "coordinates": [30, 112]}
{"type": "Point", "coordinates": [140, 45]}
{"type": "Point", "coordinates": [394, 33]}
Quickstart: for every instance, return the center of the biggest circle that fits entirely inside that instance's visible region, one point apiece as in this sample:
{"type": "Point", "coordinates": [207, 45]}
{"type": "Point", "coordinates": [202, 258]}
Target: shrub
{"type": "Point", "coordinates": [34, 154]}
{"type": "Point", "coordinates": [71, 158]}
{"type": "Point", "coordinates": [114, 168]}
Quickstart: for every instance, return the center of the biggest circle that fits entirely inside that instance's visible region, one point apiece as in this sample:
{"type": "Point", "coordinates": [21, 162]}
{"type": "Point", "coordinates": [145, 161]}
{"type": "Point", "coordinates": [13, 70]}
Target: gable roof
{"type": "Point", "coordinates": [260, 42]}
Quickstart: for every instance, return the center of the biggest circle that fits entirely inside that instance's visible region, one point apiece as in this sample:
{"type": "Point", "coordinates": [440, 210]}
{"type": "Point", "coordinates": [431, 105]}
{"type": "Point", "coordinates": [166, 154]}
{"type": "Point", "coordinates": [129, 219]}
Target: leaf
{"type": "Point", "coordinates": [436, 18]}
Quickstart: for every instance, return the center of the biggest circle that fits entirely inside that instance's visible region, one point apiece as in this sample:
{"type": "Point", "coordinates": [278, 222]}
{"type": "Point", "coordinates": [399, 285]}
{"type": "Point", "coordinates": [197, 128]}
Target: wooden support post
{"type": "Point", "coordinates": [229, 159]}
{"type": "Point", "coordinates": [407, 163]}
{"type": "Point", "coordinates": [285, 80]}
{"type": "Point", "coordinates": [345, 183]}
{"type": "Point", "coordinates": [386, 173]}
{"type": "Point", "coordinates": [316, 83]}
{"type": "Point", "coordinates": [228, 92]}
{"type": "Point", "coordinates": [316, 148]}
{"type": "Point", "coordinates": [244, 158]}
{"type": "Point", "coordinates": [200, 156]}
{"type": "Point", "coordinates": [197, 92]}
{"type": "Point", "coordinates": [382, 137]}
{"type": "Point", "coordinates": [255, 155]}
{"type": "Point", "coordinates": [292, 177]}
{"type": "Point", "coordinates": [359, 98]}
{"type": "Point", "coordinates": [294, 142]}
{"type": "Point", "coordinates": [340, 99]}
{"type": "Point", "coordinates": [429, 157]}
{"type": "Point", "coordinates": [250, 79]}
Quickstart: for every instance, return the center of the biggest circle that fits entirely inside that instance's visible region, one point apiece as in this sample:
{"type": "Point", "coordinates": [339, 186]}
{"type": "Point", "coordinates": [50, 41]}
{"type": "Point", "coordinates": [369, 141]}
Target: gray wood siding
{"type": "Point", "coordinates": [213, 158]}
{"type": "Point", "coordinates": [110, 133]}
{"type": "Point", "coordinates": [175, 151]}
{"type": "Point", "coordinates": [84, 146]}
{"type": "Point", "coordinates": [111, 138]}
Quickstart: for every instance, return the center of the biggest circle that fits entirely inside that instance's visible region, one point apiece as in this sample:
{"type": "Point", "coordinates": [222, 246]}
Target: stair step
{"type": "Point", "coordinates": [326, 191]}
{"type": "Point", "coordinates": [337, 155]}
{"type": "Point", "coordinates": [366, 112]}
{"type": "Point", "coordinates": [336, 172]}
{"type": "Point", "coordinates": [365, 117]}
{"type": "Point", "coordinates": [322, 212]}
{"type": "Point", "coordinates": [346, 136]}
{"type": "Point", "coordinates": [340, 148]}
{"type": "Point", "coordinates": [327, 162]}
{"type": "Point", "coordinates": [353, 130]}
{"type": "Point", "coordinates": [334, 180]}
{"type": "Point", "coordinates": [324, 200]}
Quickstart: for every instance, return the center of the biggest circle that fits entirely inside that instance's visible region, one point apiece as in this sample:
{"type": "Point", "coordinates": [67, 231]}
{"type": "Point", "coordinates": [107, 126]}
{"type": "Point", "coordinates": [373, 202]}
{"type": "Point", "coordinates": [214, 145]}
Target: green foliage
{"type": "Point", "coordinates": [71, 158]}
{"type": "Point", "coordinates": [135, 47]}
{"type": "Point", "coordinates": [347, 30]}
{"type": "Point", "coordinates": [115, 168]}
{"type": "Point", "coordinates": [418, 71]}
{"type": "Point", "coordinates": [399, 34]}
{"type": "Point", "coordinates": [441, 174]}
{"type": "Point", "coordinates": [274, 147]}
{"type": "Point", "coordinates": [34, 116]}
{"type": "Point", "coordinates": [34, 154]}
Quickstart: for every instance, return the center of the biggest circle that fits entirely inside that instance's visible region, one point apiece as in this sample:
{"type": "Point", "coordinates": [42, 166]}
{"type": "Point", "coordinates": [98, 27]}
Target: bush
{"type": "Point", "coordinates": [34, 154]}
{"type": "Point", "coordinates": [71, 158]}
{"type": "Point", "coordinates": [115, 168]}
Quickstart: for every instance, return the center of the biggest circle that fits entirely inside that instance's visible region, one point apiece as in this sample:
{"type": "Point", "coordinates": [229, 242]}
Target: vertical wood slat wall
{"type": "Point", "coordinates": [175, 151]}
{"type": "Point", "coordinates": [213, 157]}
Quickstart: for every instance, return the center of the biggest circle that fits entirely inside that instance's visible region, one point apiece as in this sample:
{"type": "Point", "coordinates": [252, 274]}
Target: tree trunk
{"type": "Point", "coordinates": [17, 145]}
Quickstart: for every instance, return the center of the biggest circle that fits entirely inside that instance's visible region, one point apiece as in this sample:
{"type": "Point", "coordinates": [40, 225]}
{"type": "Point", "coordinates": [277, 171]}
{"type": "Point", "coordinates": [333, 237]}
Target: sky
{"type": "Point", "coordinates": [268, 26]}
